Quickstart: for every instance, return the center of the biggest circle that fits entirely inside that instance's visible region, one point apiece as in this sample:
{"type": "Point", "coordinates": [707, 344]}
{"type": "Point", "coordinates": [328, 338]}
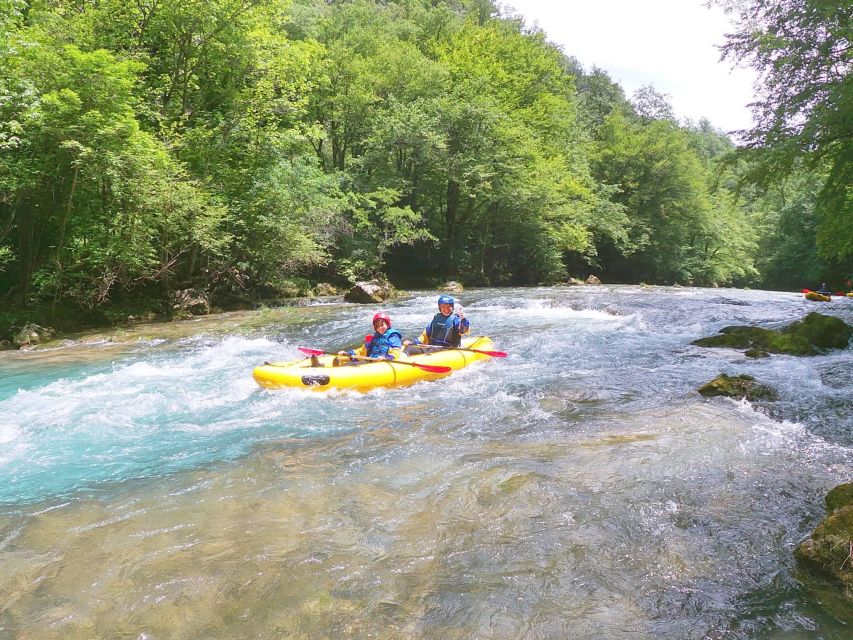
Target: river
{"type": "Point", "coordinates": [579, 488]}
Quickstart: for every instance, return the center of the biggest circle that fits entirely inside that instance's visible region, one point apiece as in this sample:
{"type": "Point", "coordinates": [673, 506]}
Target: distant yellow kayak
{"type": "Point", "coordinates": [364, 377]}
{"type": "Point", "coordinates": [817, 297]}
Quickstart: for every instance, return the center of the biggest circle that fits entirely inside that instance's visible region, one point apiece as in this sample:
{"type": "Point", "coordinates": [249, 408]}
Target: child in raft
{"type": "Point", "coordinates": [384, 343]}
{"type": "Point", "coordinates": [445, 329]}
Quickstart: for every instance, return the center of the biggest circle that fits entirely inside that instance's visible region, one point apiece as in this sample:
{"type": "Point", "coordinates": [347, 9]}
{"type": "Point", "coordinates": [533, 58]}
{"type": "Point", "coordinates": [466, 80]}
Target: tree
{"type": "Point", "coordinates": [599, 96]}
{"type": "Point", "coordinates": [91, 203]}
{"type": "Point", "coordinates": [803, 53]}
{"type": "Point", "coordinates": [681, 227]}
{"type": "Point", "coordinates": [650, 104]}
{"type": "Point", "coordinates": [785, 217]}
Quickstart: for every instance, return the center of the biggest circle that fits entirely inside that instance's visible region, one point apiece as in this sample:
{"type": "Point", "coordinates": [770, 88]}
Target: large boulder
{"type": "Point", "coordinates": [190, 302]}
{"type": "Point", "coordinates": [370, 292]}
{"type": "Point", "coordinates": [32, 334]}
{"type": "Point", "coordinates": [451, 286]}
{"type": "Point", "coordinates": [758, 340]}
{"type": "Point", "coordinates": [742, 386]}
{"type": "Point", "coordinates": [325, 289]}
{"type": "Point", "coordinates": [824, 332]}
{"type": "Point", "coordinates": [806, 337]}
{"type": "Point", "coordinates": [829, 550]}
{"type": "Point", "coordinates": [593, 280]}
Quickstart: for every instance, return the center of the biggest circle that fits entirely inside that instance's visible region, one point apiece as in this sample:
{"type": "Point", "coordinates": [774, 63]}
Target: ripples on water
{"type": "Point", "coordinates": [578, 489]}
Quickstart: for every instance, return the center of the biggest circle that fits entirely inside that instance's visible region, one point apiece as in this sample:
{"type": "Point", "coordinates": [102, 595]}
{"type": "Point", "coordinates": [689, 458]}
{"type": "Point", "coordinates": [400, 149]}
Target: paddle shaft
{"type": "Point", "coordinates": [493, 354]}
{"type": "Point", "coordinates": [426, 367]}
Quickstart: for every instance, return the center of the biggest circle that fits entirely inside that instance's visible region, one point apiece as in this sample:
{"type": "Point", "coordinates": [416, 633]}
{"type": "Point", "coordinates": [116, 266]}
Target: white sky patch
{"type": "Point", "coordinates": [671, 44]}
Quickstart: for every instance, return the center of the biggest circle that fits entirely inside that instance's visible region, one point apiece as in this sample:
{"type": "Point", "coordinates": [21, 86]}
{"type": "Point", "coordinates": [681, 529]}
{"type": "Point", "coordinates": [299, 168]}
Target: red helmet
{"type": "Point", "coordinates": [381, 316]}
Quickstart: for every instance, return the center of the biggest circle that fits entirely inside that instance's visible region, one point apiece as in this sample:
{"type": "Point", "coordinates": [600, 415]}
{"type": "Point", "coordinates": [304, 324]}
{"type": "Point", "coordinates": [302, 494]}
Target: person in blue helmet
{"type": "Point", "coordinates": [384, 343]}
{"type": "Point", "coordinates": [445, 329]}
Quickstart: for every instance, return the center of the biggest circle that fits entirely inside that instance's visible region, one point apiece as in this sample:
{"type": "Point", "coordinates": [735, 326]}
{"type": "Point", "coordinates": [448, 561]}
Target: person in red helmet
{"type": "Point", "coordinates": [384, 343]}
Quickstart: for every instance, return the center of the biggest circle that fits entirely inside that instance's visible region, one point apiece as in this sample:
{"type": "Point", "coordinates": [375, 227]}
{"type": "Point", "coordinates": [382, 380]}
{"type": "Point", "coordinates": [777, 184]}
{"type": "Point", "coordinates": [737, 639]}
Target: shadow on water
{"type": "Point", "coordinates": [579, 488]}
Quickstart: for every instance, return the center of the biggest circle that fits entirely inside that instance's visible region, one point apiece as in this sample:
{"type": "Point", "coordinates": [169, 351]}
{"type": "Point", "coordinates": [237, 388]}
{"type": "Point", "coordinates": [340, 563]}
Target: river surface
{"type": "Point", "coordinates": [579, 488]}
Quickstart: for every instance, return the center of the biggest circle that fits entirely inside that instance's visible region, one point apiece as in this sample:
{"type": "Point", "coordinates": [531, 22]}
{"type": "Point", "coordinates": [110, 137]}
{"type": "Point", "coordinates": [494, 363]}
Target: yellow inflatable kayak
{"type": "Point", "coordinates": [364, 377]}
{"type": "Point", "coordinates": [817, 297]}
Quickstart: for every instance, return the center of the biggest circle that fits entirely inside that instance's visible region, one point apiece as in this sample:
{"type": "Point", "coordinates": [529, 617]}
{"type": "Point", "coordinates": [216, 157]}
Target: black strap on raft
{"type": "Point", "coordinates": [315, 381]}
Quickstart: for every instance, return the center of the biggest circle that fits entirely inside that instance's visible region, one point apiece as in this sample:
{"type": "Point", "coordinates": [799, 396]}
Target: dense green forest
{"type": "Point", "coordinates": [252, 148]}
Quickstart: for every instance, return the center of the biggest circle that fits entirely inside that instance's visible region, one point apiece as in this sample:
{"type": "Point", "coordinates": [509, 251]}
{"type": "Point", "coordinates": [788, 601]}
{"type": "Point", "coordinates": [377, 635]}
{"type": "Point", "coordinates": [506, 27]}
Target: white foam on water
{"type": "Point", "coordinates": [205, 391]}
{"type": "Point", "coordinates": [8, 433]}
{"type": "Point", "coordinates": [13, 443]}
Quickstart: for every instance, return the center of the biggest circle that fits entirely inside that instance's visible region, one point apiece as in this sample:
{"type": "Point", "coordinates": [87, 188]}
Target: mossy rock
{"type": "Point", "coordinates": [515, 482]}
{"type": "Point", "coordinates": [33, 334]}
{"type": "Point", "coordinates": [824, 332]}
{"type": "Point", "coordinates": [742, 386]}
{"type": "Point", "coordinates": [829, 549]}
{"type": "Point", "coordinates": [807, 337]}
{"type": "Point", "coordinates": [840, 496]}
{"type": "Point", "coordinates": [758, 340]}
{"type": "Point", "coordinates": [756, 353]}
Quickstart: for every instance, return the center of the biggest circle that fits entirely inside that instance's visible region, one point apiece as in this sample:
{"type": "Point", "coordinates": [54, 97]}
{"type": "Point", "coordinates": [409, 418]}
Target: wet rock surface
{"type": "Point", "coordinates": [829, 550]}
{"type": "Point", "coordinates": [807, 337]}
{"type": "Point", "coordinates": [742, 386]}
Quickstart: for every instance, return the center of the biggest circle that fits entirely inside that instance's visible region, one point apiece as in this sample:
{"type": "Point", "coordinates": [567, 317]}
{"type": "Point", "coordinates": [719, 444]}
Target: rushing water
{"type": "Point", "coordinates": [579, 488]}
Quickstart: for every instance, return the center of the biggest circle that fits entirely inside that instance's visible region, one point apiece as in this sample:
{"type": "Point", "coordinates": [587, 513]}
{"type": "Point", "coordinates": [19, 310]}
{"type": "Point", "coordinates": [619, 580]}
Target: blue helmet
{"type": "Point", "coordinates": [446, 299]}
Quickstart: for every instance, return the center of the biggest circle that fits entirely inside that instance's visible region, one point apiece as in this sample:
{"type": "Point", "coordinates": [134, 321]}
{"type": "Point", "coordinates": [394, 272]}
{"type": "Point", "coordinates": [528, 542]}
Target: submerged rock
{"type": "Point", "coordinates": [806, 337]}
{"type": "Point", "coordinates": [742, 386]}
{"type": "Point", "coordinates": [829, 550]}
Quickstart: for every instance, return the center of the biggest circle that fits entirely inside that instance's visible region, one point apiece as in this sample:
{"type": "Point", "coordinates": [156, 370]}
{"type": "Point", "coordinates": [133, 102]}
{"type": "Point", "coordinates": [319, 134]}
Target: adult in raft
{"type": "Point", "coordinates": [824, 290]}
{"type": "Point", "coordinates": [444, 330]}
{"type": "Point", "coordinates": [384, 343]}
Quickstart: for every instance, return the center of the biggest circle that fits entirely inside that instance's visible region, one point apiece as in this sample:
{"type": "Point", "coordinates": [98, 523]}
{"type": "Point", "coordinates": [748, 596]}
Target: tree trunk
{"type": "Point", "coordinates": [13, 210]}
{"type": "Point", "coordinates": [26, 258]}
{"type": "Point", "coordinates": [450, 220]}
{"type": "Point", "coordinates": [64, 224]}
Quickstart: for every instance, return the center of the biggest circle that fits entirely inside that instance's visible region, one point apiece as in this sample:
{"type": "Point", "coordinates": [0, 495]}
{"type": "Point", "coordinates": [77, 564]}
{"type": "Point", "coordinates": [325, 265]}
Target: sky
{"type": "Point", "coordinates": [671, 44]}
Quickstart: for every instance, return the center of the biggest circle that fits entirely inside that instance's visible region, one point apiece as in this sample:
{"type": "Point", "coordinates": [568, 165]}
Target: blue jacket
{"type": "Point", "coordinates": [445, 331]}
{"type": "Point", "coordinates": [380, 344]}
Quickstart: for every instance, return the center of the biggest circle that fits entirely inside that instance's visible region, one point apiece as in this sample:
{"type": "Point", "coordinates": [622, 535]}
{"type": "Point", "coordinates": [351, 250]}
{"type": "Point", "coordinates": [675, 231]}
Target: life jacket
{"type": "Point", "coordinates": [442, 331]}
{"type": "Point", "coordinates": [379, 344]}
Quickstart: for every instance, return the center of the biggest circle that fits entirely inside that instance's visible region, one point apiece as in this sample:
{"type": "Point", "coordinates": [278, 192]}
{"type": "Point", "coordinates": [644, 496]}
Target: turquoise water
{"type": "Point", "coordinates": [579, 487]}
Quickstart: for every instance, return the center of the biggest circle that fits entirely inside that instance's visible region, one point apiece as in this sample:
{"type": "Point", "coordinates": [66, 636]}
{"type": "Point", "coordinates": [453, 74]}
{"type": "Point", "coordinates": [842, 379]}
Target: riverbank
{"type": "Point", "coordinates": [57, 328]}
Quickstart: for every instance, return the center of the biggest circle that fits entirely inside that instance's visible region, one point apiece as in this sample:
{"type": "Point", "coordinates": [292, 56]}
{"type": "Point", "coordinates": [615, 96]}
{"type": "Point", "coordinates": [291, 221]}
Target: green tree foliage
{"type": "Point", "coordinates": [682, 228]}
{"type": "Point", "coordinates": [247, 147]}
{"type": "Point", "coordinates": [784, 214]}
{"type": "Point", "coordinates": [92, 202]}
{"type": "Point", "coordinates": [599, 97]}
{"type": "Point", "coordinates": [802, 51]}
